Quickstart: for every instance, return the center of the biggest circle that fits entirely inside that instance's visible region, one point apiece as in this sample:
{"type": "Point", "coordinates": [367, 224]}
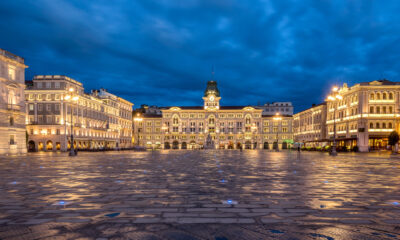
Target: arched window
{"type": "Point", "coordinates": [390, 109]}
{"type": "Point", "coordinates": [175, 120]}
{"type": "Point", "coordinates": [378, 96]}
{"type": "Point", "coordinates": [377, 125]}
{"type": "Point", "coordinates": [391, 96]}
{"type": "Point", "coordinates": [247, 120]}
{"type": "Point", "coordinates": [384, 109]}
{"type": "Point", "coordinates": [384, 96]}
{"type": "Point", "coordinates": [11, 97]}
{"type": "Point", "coordinates": [371, 96]}
{"type": "Point", "coordinates": [383, 125]}
{"type": "Point", "coordinates": [211, 120]}
{"type": "Point", "coordinates": [390, 125]}
{"type": "Point", "coordinates": [378, 110]}
{"type": "Point", "coordinates": [371, 125]}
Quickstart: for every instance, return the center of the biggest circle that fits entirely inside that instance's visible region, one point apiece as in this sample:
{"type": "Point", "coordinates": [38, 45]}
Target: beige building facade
{"type": "Point", "coordinates": [365, 115]}
{"type": "Point", "coordinates": [58, 106]}
{"type": "Point", "coordinates": [12, 104]}
{"type": "Point", "coordinates": [310, 126]}
{"type": "Point", "coordinates": [212, 126]}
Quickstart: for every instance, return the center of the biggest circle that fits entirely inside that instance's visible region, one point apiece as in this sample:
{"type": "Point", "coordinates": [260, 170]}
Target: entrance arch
{"type": "Point", "coordinates": [247, 145]}
{"type": "Point", "coordinates": [284, 145]}
{"type": "Point", "coordinates": [167, 145]}
{"type": "Point", "coordinates": [31, 146]}
{"type": "Point", "coordinates": [230, 145]}
{"type": "Point", "coordinates": [238, 145]}
{"type": "Point", "coordinates": [49, 145]}
{"type": "Point", "coordinates": [266, 145]}
{"type": "Point", "coordinates": [184, 145]}
{"type": "Point", "coordinates": [175, 145]}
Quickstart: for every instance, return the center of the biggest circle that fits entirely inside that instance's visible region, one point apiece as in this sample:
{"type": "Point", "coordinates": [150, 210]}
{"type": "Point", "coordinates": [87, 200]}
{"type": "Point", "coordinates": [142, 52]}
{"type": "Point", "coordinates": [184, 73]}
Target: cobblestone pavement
{"type": "Point", "coordinates": [219, 195]}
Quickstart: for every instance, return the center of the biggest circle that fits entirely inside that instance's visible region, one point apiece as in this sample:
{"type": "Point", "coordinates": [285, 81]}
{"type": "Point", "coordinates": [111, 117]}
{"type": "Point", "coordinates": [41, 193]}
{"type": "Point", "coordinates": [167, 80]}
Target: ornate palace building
{"type": "Point", "coordinates": [365, 114]}
{"type": "Point", "coordinates": [12, 104]}
{"type": "Point", "coordinates": [57, 105]}
{"type": "Point", "coordinates": [310, 126]}
{"type": "Point", "coordinates": [212, 126]}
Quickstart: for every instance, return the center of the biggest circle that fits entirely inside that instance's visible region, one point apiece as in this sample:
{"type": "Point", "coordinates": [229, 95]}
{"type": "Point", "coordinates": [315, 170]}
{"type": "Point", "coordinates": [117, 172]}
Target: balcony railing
{"type": "Point", "coordinates": [13, 107]}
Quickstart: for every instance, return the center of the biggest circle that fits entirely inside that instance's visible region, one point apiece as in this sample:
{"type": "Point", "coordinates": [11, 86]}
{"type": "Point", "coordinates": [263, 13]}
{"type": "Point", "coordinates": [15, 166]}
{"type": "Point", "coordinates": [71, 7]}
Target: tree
{"type": "Point", "coordinates": [393, 140]}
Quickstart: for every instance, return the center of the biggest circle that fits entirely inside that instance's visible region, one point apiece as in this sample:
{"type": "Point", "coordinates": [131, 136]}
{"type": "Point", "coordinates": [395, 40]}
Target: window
{"type": "Point", "coordinates": [11, 72]}
{"type": "Point", "coordinates": [371, 125]}
{"type": "Point", "coordinates": [390, 109]}
{"type": "Point", "coordinates": [371, 109]}
{"type": "Point", "coordinates": [40, 107]}
{"type": "Point", "coordinates": [384, 109]}
{"type": "Point", "coordinates": [390, 125]}
{"type": "Point", "coordinates": [48, 84]}
{"type": "Point", "coordinates": [371, 96]}
{"type": "Point", "coordinates": [39, 85]}
{"type": "Point", "coordinates": [11, 121]}
{"type": "Point", "coordinates": [48, 107]}
{"type": "Point", "coordinates": [31, 106]}
{"type": "Point", "coordinates": [391, 96]}
{"type": "Point", "coordinates": [12, 139]}
{"type": "Point", "coordinates": [378, 96]}
{"type": "Point", "coordinates": [57, 84]}
{"type": "Point", "coordinates": [58, 131]}
{"type": "Point", "coordinates": [378, 110]}
{"type": "Point", "coordinates": [383, 125]}
{"type": "Point", "coordinates": [377, 125]}
{"type": "Point", "coordinates": [57, 107]}
{"type": "Point", "coordinates": [11, 97]}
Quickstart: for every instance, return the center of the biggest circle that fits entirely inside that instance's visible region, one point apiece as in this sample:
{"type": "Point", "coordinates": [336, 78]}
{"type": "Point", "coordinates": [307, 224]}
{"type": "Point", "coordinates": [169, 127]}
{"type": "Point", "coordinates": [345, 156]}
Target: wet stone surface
{"type": "Point", "coordinates": [200, 195]}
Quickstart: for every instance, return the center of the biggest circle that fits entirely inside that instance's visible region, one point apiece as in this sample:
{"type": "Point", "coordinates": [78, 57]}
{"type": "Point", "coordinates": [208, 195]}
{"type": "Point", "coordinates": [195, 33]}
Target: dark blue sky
{"type": "Point", "coordinates": [161, 51]}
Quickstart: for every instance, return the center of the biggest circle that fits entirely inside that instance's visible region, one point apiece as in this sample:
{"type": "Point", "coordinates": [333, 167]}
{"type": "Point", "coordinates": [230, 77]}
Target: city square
{"type": "Point", "coordinates": [200, 194]}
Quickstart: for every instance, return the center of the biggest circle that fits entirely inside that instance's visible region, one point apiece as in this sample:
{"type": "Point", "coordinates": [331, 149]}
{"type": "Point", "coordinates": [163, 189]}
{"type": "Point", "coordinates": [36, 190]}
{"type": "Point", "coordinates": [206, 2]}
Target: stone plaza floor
{"type": "Point", "coordinates": [203, 194]}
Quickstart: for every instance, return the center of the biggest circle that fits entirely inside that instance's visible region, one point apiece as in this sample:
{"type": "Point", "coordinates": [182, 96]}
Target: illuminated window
{"type": "Point", "coordinates": [11, 72]}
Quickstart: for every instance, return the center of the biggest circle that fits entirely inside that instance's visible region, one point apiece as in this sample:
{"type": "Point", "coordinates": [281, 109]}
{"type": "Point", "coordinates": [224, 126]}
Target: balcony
{"type": "Point", "coordinates": [13, 107]}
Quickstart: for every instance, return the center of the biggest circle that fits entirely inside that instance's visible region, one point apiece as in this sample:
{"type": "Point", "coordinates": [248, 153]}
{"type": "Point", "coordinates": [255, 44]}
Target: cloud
{"type": "Point", "coordinates": [161, 52]}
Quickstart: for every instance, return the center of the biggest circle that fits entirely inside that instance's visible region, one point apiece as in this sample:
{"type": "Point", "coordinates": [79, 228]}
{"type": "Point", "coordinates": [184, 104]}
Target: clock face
{"type": "Point", "coordinates": [212, 98]}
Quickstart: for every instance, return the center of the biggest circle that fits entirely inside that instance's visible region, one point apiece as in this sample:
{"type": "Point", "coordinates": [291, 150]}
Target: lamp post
{"type": "Point", "coordinates": [333, 98]}
{"type": "Point", "coordinates": [73, 98]}
{"type": "Point", "coordinates": [137, 120]}
{"type": "Point", "coordinates": [277, 118]}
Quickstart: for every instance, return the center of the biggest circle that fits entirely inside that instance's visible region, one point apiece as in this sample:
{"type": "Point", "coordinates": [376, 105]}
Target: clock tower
{"type": "Point", "coordinates": [211, 96]}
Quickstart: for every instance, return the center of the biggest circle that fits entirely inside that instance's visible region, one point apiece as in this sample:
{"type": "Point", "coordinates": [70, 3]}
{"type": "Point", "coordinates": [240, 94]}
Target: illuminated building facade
{"type": "Point", "coordinates": [310, 126]}
{"type": "Point", "coordinates": [283, 108]}
{"type": "Point", "coordinates": [99, 120]}
{"type": "Point", "coordinates": [365, 115]}
{"type": "Point", "coordinates": [212, 126]}
{"type": "Point", "coordinates": [12, 104]}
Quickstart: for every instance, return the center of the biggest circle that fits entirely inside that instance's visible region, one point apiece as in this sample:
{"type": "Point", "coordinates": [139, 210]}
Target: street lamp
{"type": "Point", "coordinates": [138, 119]}
{"type": "Point", "coordinates": [277, 118]}
{"type": "Point", "coordinates": [333, 98]}
{"type": "Point", "coordinates": [73, 98]}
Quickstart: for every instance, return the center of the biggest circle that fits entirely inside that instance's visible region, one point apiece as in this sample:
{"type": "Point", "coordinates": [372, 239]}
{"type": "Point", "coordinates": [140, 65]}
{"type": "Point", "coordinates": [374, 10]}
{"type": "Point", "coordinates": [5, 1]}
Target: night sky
{"type": "Point", "coordinates": [161, 52]}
